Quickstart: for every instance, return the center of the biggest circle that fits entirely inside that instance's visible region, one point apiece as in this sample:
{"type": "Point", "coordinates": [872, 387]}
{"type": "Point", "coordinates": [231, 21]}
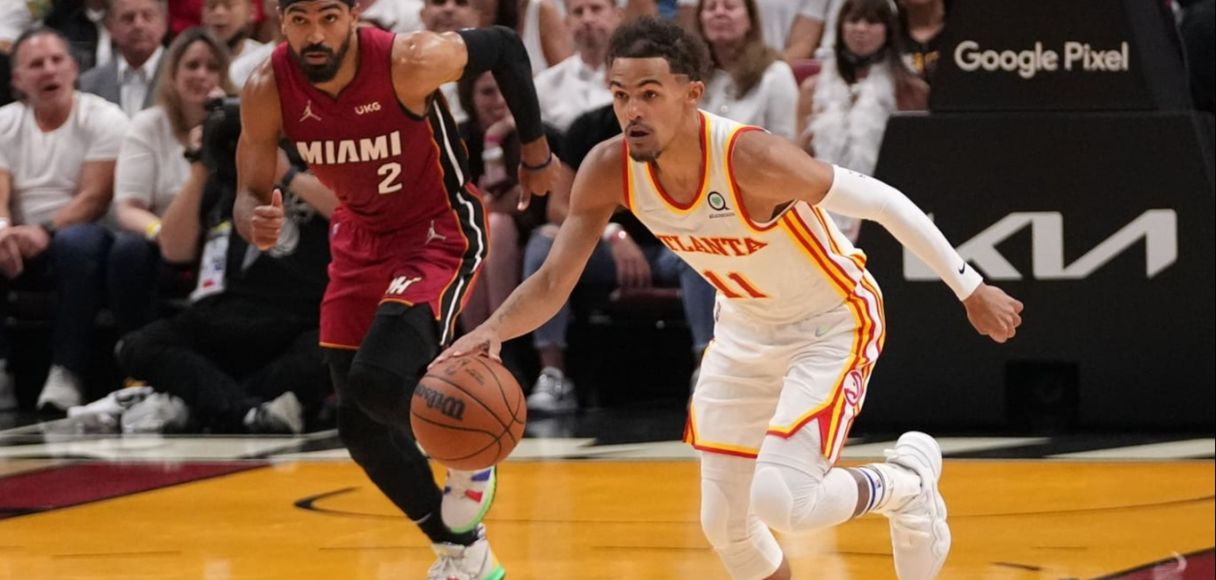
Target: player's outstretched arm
{"type": "Point", "coordinates": [596, 194]}
{"type": "Point", "coordinates": [425, 60]}
{"type": "Point", "coordinates": [258, 218]}
{"type": "Point", "coordinates": [768, 167]}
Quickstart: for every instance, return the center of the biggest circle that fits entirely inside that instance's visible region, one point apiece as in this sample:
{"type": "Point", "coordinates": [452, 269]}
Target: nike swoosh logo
{"type": "Point", "coordinates": [962, 269]}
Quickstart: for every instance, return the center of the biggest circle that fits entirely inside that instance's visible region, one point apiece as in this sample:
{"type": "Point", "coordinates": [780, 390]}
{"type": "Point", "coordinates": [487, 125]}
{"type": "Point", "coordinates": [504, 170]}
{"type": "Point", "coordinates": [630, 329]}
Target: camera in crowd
{"type": "Point", "coordinates": [221, 130]}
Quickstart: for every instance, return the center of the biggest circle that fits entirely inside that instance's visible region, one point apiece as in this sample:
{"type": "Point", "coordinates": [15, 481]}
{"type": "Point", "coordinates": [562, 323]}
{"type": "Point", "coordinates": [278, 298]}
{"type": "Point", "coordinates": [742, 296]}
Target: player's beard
{"type": "Point", "coordinates": [323, 72]}
{"type": "Point", "coordinates": [644, 156]}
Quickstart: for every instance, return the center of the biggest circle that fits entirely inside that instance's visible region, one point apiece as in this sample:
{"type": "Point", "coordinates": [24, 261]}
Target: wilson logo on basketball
{"type": "Point", "coordinates": [449, 406]}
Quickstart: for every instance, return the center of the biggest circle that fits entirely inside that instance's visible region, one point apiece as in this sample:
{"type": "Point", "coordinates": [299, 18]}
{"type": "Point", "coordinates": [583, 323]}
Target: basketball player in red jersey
{"type": "Point", "coordinates": [361, 107]}
{"type": "Point", "coordinates": [800, 323]}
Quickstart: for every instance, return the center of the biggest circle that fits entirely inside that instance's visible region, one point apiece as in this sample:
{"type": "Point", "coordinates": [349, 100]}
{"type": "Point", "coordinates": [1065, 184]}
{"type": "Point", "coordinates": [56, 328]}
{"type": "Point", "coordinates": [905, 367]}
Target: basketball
{"type": "Point", "coordinates": [468, 413]}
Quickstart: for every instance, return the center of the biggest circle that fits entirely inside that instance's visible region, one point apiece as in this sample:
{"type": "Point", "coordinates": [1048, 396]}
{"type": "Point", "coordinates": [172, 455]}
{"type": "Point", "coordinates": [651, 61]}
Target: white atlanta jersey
{"type": "Point", "coordinates": [800, 321]}
{"type": "Point", "coordinates": [773, 269]}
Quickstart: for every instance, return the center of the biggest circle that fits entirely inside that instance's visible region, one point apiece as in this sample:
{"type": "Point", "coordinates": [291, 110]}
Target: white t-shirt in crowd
{"type": "Point", "coordinates": [569, 89]}
{"type": "Point", "coordinates": [452, 95]}
{"type": "Point", "coordinates": [531, 37]}
{"type": "Point", "coordinates": [771, 104]}
{"type": "Point", "coordinates": [151, 168]}
{"type": "Point", "coordinates": [46, 167]}
{"type": "Point", "coordinates": [243, 65]}
{"type": "Point", "coordinates": [14, 17]}
{"type": "Point", "coordinates": [398, 16]}
{"type": "Point", "coordinates": [777, 16]}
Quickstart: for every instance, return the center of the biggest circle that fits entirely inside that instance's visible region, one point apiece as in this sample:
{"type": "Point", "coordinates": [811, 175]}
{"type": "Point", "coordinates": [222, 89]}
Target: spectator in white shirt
{"type": "Point", "coordinates": [750, 84]}
{"type": "Point", "coordinates": [450, 16]}
{"type": "Point", "coordinates": [57, 152]}
{"type": "Point", "coordinates": [137, 27]}
{"type": "Point", "coordinates": [232, 22]}
{"type": "Point", "coordinates": [578, 84]}
{"type": "Point", "coordinates": [790, 27]}
{"type": "Point", "coordinates": [152, 169]}
{"type": "Point", "coordinates": [400, 16]}
{"type": "Point", "coordinates": [539, 25]}
{"type": "Point", "coordinates": [14, 17]}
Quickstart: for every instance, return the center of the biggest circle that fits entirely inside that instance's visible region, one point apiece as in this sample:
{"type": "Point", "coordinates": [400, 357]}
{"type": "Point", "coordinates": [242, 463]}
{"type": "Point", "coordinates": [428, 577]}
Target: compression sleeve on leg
{"type": "Point", "coordinates": [498, 49]}
{"type": "Point", "coordinates": [857, 195]}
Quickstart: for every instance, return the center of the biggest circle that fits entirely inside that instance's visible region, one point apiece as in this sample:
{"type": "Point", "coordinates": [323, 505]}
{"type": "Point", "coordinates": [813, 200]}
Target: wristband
{"type": "Point", "coordinates": [539, 167]}
{"type": "Point", "coordinates": [152, 231]}
{"type": "Point", "coordinates": [4, 223]}
{"type": "Point", "coordinates": [288, 176]}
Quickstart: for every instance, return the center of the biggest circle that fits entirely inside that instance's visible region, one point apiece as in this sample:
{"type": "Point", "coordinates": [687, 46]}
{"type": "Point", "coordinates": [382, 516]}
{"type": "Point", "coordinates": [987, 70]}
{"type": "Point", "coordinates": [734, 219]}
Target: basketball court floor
{"type": "Point", "coordinates": [608, 495]}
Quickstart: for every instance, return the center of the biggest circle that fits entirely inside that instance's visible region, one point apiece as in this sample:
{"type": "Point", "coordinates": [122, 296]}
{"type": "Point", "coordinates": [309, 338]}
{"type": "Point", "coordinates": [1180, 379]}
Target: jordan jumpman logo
{"type": "Point", "coordinates": [308, 114]}
{"type": "Point", "coordinates": [432, 235]}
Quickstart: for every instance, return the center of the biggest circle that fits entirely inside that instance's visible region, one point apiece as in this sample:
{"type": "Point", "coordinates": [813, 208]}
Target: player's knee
{"type": "Point", "coordinates": [378, 393]}
{"type": "Point", "coordinates": [771, 497]}
{"type": "Point", "coordinates": [747, 549]}
{"type": "Point", "coordinates": [785, 498]}
{"type": "Point", "coordinates": [369, 441]}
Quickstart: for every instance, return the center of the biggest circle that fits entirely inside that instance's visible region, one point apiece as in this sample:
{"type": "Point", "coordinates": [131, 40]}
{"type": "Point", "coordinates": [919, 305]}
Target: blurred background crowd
{"type": "Point", "coordinates": [124, 295]}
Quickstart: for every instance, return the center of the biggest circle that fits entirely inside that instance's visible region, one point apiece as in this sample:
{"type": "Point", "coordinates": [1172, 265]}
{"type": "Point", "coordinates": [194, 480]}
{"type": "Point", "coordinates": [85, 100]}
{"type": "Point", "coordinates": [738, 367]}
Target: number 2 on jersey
{"type": "Point", "coordinates": [389, 172]}
{"type": "Point", "coordinates": [740, 283]}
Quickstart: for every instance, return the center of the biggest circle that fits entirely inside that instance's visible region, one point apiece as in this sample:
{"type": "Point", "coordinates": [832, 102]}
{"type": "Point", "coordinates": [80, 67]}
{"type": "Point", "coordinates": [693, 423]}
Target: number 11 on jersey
{"type": "Point", "coordinates": [739, 286]}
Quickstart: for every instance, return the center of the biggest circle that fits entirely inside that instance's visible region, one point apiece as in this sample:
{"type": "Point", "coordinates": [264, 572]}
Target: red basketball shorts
{"type": "Point", "coordinates": [435, 263]}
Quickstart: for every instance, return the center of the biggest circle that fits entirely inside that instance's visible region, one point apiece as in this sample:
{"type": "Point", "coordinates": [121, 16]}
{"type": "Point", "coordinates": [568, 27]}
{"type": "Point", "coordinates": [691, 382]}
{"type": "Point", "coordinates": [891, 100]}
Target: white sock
{"type": "Point", "coordinates": [895, 486]}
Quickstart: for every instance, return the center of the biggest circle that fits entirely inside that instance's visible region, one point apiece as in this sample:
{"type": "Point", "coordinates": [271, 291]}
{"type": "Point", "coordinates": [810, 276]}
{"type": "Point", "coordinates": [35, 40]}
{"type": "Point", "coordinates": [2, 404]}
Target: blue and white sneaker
{"type": "Point", "coordinates": [467, 496]}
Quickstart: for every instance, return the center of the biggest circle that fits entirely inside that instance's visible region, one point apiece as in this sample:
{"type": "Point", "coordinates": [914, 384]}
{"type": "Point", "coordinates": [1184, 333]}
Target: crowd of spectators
{"type": "Point", "coordinates": [112, 203]}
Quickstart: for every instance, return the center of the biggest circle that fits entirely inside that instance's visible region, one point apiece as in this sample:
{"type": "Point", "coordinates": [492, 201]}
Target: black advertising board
{"type": "Point", "coordinates": [1102, 223]}
{"type": "Point", "coordinates": [1071, 55]}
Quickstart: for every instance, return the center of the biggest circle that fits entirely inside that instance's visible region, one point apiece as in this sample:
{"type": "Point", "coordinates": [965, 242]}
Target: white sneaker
{"type": "Point", "coordinates": [8, 391]}
{"type": "Point", "coordinates": [920, 536]}
{"type": "Point", "coordinates": [61, 391]}
{"type": "Point", "coordinates": [108, 409]}
{"type": "Point", "coordinates": [472, 562]}
{"type": "Point", "coordinates": [284, 414]}
{"type": "Point", "coordinates": [467, 496]}
{"type": "Point", "coordinates": [158, 413]}
{"type": "Point", "coordinates": [552, 393]}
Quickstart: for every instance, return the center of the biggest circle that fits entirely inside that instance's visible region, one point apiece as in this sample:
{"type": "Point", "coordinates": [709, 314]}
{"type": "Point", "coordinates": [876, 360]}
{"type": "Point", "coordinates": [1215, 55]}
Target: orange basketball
{"type": "Point", "coordinates": [468, 413]}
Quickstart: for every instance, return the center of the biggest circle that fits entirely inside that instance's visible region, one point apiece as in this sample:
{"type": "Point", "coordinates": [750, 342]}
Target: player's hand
{"type": "Point", "coordinates": [632, 268]}
{"type": "Point", "coordinates": [538, 181]}
{"type": "Point", "coordinates": [267, 220]}
{"type": "Point", "coordinates": [993, 313]}
{"type": "Point", "coordinates": [482, 340]}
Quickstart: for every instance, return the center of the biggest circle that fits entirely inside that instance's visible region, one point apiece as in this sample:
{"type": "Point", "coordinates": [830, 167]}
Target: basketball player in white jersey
{"type": "Point", "coordinates": [800, 320]}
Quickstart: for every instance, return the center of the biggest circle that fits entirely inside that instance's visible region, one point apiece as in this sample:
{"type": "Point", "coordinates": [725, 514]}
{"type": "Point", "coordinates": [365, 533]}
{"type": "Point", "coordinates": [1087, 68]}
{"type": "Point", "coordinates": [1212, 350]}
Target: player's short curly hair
{"type": "Point", "coordinates": [649, 37]}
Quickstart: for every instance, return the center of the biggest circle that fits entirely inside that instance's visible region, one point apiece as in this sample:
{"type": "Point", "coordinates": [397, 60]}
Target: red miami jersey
{"type": "Point", "coordinates": [389, 167]}
{"type": "Point", "coordinates": [410, 227]}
